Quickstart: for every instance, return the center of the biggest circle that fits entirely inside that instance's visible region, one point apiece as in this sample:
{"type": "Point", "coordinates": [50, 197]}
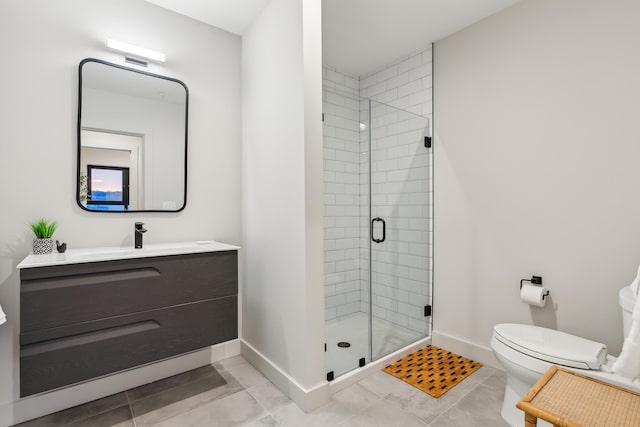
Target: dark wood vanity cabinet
{"type": "Point", "coordinates": [82, 321]}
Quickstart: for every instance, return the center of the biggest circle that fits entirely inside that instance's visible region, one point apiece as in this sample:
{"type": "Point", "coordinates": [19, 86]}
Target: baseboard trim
{"type": "Point", "coordinates": [466, 348]}
{"type": "Point", "coordinates": [306, 399]}
{"type": "Point", "coordinates": [352, 377]}
{"type": "Point", "coordinates": [225, 350]}
{"type": "Point", "coordinates": [46, 403]}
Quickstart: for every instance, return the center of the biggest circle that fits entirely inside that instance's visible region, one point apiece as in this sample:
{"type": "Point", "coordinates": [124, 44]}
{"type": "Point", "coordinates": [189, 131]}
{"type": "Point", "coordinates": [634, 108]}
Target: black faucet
{"type": "Point", "coordinates": [138, 233]}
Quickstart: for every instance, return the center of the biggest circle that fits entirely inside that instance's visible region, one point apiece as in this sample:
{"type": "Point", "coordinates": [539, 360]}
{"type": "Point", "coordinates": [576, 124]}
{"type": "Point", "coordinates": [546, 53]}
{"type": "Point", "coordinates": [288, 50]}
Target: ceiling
{"type": "Point", "coordinates": [358, 36]}
{"type": "Point", "coordinates": [234, 16]}
{"type": "Point", "coordinates": [361, 36]}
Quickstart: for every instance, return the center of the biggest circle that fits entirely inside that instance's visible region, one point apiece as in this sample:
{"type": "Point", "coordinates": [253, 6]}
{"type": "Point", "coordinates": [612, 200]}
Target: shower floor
{"type": "Point", "coordinates": [354, 329]}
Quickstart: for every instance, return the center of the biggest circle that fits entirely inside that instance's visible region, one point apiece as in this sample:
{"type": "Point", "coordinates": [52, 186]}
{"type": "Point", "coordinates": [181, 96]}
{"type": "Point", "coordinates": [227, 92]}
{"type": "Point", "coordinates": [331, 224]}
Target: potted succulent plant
{"type": "Point", "coordinates": [43, 229]}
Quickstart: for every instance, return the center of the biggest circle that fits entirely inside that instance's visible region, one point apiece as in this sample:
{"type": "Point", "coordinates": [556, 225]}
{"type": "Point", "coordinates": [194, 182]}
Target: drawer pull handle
{"type": "Point", "coordinates": [88, 279]}
{"type": "Point", "coordinates": [87, 338]}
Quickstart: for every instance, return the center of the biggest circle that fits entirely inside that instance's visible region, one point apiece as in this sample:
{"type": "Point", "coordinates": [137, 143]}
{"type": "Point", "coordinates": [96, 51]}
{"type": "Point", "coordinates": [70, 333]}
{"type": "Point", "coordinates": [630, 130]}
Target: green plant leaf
{"type": "Point", "coordinates": [43, 228]}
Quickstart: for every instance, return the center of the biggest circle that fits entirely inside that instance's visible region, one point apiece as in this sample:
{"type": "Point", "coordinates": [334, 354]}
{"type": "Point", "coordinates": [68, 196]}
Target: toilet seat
{"type": "Point", "coordinates": [552, 346]}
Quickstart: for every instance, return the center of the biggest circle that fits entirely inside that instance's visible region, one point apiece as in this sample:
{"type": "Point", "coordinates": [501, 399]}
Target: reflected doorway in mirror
{"type": "Point", "coordinates": [107, 155]}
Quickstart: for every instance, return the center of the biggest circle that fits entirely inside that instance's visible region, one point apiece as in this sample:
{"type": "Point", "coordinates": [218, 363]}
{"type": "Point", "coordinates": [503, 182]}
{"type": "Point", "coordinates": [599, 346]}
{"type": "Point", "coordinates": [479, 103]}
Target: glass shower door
{"type": "Point", "coordinates": [377, 189]}
{"type": "Point", "coordinates": [399, 228]}
{"type": "Point", "coordinates": [346, 279]}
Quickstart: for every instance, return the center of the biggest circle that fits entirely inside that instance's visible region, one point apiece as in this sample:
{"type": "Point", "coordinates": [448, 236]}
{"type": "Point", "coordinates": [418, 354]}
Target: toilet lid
{"type": "Point", "coordinates": [552, 346]}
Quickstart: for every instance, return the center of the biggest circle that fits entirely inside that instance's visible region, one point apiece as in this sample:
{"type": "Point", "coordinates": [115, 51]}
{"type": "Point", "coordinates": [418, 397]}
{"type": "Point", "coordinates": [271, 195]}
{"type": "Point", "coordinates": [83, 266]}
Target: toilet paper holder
{"type": "Point", "coordinates": [535, 280]}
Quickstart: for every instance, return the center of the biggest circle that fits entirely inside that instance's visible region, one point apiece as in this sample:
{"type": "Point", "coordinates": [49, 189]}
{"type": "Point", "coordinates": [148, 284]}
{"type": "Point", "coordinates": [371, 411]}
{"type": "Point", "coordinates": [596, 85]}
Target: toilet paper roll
{"type": "Point", "coordinates": [533, 295]}
{"type": "Point", "coordinates": [3, 317]}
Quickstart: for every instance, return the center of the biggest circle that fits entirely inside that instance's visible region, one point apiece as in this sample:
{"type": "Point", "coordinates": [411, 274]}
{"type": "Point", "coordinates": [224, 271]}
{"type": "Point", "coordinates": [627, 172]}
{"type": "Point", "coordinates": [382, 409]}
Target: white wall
{"type": "Point", "coordinates": [536, 168]}
{"type": "Point", "coordinates": [282, 294]}
{"type": "Point", "coordinates": [42, 44]}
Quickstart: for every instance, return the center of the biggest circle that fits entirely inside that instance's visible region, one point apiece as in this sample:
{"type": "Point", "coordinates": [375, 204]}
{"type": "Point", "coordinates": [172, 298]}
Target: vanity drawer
{"type": "Point", "coordinates": [111, 345]}
{"type": "Point", "coordinates": [66, 294]}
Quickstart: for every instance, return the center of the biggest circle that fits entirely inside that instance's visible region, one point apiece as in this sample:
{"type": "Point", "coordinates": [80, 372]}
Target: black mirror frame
{"type": "Point", "coordinates": [79, 146]}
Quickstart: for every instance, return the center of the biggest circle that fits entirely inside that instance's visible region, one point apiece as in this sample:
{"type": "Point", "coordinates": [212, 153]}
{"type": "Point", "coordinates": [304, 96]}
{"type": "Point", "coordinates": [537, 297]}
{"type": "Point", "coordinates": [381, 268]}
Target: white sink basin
{"type": "Point", "coordinates": [74, 256]}
{"type": "Point", "coordinates": [92, 256]}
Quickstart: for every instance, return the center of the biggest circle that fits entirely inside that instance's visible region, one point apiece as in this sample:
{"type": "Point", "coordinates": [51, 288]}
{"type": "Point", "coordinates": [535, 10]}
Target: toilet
{"type": "Point", "coordinates": [526, 352]}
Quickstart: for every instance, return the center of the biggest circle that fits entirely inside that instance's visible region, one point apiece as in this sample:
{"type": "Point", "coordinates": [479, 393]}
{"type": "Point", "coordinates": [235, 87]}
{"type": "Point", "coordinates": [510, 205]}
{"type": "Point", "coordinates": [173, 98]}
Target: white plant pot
{"type": "Point", "coordinates": [42, 246]}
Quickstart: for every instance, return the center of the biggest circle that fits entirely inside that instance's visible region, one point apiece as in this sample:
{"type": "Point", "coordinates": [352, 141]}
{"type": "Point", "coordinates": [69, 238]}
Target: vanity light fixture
{"type": "Point", "coordinates": [136, 51]}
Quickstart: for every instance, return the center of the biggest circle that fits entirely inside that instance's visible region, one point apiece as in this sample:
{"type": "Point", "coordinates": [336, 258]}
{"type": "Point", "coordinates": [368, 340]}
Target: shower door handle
{"type": "Point", "coordinates": [384, 229]}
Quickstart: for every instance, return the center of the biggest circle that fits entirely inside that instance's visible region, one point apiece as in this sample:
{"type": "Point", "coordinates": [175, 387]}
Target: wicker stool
{"type": "Point", "coordinates": [568, 399]}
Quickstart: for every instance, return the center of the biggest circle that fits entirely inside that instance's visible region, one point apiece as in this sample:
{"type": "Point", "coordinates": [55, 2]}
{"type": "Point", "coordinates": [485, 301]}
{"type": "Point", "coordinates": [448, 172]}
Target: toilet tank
{"type": "Point", "coordinates": [627, 302]}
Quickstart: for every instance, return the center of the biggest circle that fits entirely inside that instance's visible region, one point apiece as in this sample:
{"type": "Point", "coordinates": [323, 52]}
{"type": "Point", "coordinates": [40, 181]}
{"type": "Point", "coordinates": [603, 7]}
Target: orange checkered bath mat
{"type": "Point", "coordinates": [433, 370]}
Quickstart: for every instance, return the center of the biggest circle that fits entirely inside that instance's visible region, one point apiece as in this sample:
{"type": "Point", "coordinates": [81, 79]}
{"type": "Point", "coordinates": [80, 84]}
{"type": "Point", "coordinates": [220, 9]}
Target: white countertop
{"type": "Point", "coordinates": [77, 256]}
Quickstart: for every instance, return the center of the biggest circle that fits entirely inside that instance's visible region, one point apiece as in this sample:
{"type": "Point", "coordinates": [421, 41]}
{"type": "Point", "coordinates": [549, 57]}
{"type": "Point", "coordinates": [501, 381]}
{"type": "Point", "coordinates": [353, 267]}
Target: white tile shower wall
{"type": "Point", "coordinates": [341, 193]}
{"type": "Point", "coordinates": [400, 184]}
{"type": "Point", "coordinates": [400, 96]}
{"type": "Point", "coordinates": [404, 84]}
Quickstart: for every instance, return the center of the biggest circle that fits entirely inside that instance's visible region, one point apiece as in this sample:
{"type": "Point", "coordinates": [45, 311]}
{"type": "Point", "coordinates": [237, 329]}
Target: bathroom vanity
{"type": "Point", "coordinates": [89, 313]}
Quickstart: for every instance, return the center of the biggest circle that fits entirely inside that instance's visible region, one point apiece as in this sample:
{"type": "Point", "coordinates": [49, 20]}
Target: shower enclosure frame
{"type": "Point", "coordinates": [372, 355]}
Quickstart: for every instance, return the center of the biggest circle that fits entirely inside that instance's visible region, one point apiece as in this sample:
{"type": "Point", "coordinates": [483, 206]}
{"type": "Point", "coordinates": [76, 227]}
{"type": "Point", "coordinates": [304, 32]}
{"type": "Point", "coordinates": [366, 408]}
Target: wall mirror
{"type": "Point", "coordinates": [132, 140]}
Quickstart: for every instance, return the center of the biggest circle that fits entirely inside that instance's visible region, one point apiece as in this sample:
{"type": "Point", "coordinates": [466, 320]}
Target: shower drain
{"type": "Point", "coordinates": [344, 344]}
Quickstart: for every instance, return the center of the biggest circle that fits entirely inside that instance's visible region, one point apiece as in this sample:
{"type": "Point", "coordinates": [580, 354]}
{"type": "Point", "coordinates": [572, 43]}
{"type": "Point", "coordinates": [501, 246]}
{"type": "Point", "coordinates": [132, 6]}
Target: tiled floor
{"type": "Point", "coordinates": [233, 393]}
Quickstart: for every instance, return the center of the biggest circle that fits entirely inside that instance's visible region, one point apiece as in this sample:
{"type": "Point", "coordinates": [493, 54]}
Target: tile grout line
{"type": "Point", "coordinates": [133, 417]}
{"type": "Point", "coordinates": [171, 418]}
{"type": "Point", "coordinates": [84, 418]}
{"type": "Point", "coordinates": [168, 388]}
{"type": "Point", "coordinates": [260, 403]}
{"type": "Point", "coordinates": [461, 398]}
{"type": "Point", "coordinates": [446, 409]}
{"type": "Point", "coordinates": [129, 401]}
{"type": "Point", "coordinates": [251, 394]}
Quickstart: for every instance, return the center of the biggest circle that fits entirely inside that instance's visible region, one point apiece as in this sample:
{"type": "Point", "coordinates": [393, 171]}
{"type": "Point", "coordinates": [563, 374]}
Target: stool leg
{"type": "Point", "coordinates": [530, 420]}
